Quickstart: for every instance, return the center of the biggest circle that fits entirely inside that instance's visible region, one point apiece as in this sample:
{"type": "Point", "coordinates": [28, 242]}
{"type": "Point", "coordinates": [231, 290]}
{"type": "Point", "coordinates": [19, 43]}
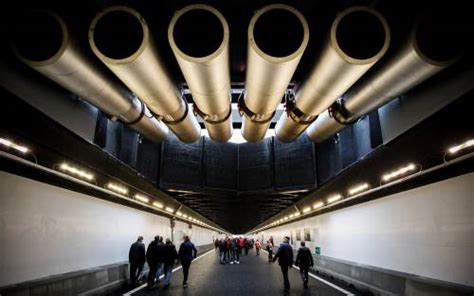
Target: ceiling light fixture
{"type": "Point", "coordinates": [169, 209]}
{"type": "Point", "coordinates": [159, 205]}
{"type": "Point", "coordinates": [307, 209]}
{"type": "Point", "coordinates": [334, 198]}
{"type": "Point", "coordinates": [10, 144]}
{"type": "Point", "coordinates": [359, 188]}
{"type": "Point", "coordinates": [142, 198]}
{"type": "Point", "coordinates": [400, 172]}
{"type": "Point", "coordinates": [117, 188]}
{"type": "Point", "coordinates": [462, 146]}
{"type": "Point", "coordinates": [76, 172]}
{"type": "Point", "coordinates": [318, 205]}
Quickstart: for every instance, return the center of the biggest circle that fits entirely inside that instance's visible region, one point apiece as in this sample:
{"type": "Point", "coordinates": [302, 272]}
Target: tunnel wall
{"type": "Point", "coordinates": [424, 233]}
{"type": "Point", "coordinates": [47, 231]}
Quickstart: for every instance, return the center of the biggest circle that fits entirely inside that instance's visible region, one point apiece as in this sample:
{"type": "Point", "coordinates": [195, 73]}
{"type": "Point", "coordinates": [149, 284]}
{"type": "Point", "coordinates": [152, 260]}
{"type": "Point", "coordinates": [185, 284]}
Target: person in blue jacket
{"type": "Point", "coordinates": [285, 260]}
{"type": "Point", "coordinates": [187, 252]}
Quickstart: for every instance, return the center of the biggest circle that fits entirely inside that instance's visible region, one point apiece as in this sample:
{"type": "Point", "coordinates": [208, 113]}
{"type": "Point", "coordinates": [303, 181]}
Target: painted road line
{"type": "Point", "coordinates": [324, 281]}
{"type": "Point", "coordinates": [161, 276]}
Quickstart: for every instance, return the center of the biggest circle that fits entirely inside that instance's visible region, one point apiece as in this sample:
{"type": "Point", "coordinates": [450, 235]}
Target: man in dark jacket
{"type": "Point", "coordinates": [285, 260]}
{"type": "Point", "coordinates": [304, 260]}
{"type": "Point", "coordinates": [152, 260]}
{"type": "Point", "coordinates": [169, 257]}
{"type": "Point", "coordinates": [136, 257]}
{"type": "Point", "coordinates": [187, 252]}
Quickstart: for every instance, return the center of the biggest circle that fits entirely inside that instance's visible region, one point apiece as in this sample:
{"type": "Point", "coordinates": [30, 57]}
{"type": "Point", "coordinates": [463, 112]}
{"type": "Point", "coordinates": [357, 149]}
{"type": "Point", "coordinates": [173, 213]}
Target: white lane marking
{"type": "Point", "coordinates": [324, 281]}
{"type": "Point", "coordinates": [161, 276]}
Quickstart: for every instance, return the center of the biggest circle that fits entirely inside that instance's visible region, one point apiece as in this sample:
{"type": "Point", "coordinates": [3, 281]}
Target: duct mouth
{"type": "Point", "coordinates": [278, 32]}
{"type": "Point", "coordinates": [198, 32]}
{"type": "Point", "coordinates": [435, 41]}
{"type": "Point", "coordinates": [118, 34]}
{"type": "Point", "coordinates": [361, 34]}
{"type": "Point", "coordinates": [38, 36]}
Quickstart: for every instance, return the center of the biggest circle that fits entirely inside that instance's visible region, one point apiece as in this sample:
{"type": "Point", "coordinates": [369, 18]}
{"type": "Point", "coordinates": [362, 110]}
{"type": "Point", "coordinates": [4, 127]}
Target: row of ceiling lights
{"type": "Point", "coordinates": [117, 188]}
{"type": "Point", "coordinates": [362, 187]}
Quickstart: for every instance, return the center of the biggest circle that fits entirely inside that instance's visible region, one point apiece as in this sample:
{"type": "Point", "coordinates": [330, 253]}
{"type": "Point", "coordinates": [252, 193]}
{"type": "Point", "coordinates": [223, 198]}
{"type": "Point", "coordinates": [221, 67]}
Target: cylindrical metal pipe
{"type": "Point", "coordinates": [42, 41]}
{"type": "Point", "coordinates": [417, 61]}
{"type": "Point", "coordinates": [358, 38]}
{"type": "Point", "coordinates": [277, 37]}
{"type": "Point", "coordinates": [199, 37]}
{"type": "Point", "coordinates": [120, 38]}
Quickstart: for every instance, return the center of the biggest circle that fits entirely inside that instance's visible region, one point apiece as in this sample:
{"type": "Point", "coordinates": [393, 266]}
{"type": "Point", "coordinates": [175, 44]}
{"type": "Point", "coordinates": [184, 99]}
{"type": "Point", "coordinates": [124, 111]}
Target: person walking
{"type": "Point", "coordinates": [246, 246]}
{"type": "Point", "coordinates": [304, 260]}
{"type": "Point", "coordinates": [187, 252]}
{"type": "Point", "coordinates": [233, 251]}
{"type": "Point", "coordinates": [257, 247]}
{"type": "Point", "coordinates": [169, 257]}
{"type": "Point", "coordinates": [222, 251]}
{"type": "Point", "coordinates": [159, 259]}
{"type": "Point", "coordinates": [285, 260]}
{"type": "Point", "coordinates": [136, 257]}
{"type": "Point", "coordinates": [270, 250]}
{"type": "Point", "coordinates": [152, 260]}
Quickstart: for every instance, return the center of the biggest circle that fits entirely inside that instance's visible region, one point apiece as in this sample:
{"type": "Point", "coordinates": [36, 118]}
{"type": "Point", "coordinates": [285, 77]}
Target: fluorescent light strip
{"type": "Point", "coordinates": [318, 205]}
{"type": "Point", "coordinates": [179, 214]}
{"type": "Point", "coordinates": [401, 171]}
{"type": "Point", "coordinates": [142, 198]}
{"type": "Point", "coordinates": [334, 198]}
{"type": "Point", "coordinates": [464, 145]}
{"type": "Point", "coordinates": [77, 172]}
{"type": "Point", "coordinates": [117, 188]}
{"type": "Point", "coordinates": [169, 209]}
{"type": "Point", "coordinates": [159, 205]}
{"type": "Point", "coordinates": [358, 188]}
{"type": "Point", "coordinates": [10, 144]}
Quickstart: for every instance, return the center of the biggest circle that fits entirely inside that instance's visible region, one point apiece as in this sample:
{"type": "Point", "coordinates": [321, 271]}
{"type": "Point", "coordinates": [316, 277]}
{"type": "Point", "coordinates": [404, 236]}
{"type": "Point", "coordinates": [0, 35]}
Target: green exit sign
{"type": "Point", "coordinates": [317, 250]}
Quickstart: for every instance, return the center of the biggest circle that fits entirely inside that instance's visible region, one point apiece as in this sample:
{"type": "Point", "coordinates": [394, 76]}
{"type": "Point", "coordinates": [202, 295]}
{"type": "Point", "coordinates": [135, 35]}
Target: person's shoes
{"type": "Point", "coordinates": [238, 262]}
{"type": "Point", "coordinates": [305, 285]}
{"type": "Point", "coordinates": [231, 262]}
{"type": "Point", "coordinates": [165, 287]}
{"type": "Point", "coordinates": [185, 285]}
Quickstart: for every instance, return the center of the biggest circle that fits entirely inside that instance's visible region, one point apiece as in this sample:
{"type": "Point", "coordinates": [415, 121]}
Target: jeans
{"type": "Point", "coordinates": [159, 270]}
{"type": "Point", "coordinates": [168, 270]}
{"type": "Point", "coordinates": [222, 256]}
{"type": "Point", "coordinates": [186, 265]}
{"type": "Point", "coordinates": [284, 271]}
{"type": "Point", "coordinates": [304, 274]}
{"type": "Point", "coordinates": [135, 271]}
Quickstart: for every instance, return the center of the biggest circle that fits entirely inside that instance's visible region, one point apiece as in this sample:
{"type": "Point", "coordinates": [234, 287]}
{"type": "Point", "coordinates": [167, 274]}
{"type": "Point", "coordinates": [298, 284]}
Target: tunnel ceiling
{"type": "Point", "coordinates": [238, 186]}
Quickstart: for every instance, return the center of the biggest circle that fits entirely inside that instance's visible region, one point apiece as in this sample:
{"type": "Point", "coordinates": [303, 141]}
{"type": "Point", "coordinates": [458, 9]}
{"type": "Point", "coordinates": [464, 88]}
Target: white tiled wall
{"type": "Point", "coordinates": [47, 230]}
{"type": "Point", "coordinates": [427, 231]}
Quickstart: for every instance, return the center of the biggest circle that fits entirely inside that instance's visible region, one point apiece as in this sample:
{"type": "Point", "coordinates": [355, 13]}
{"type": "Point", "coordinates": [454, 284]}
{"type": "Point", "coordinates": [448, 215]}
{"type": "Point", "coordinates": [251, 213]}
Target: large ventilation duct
{"type": "Point", "coordinates": [277, 37]}
{"type": "Point", "coordinates": [426, 53]}
{"type": "Point", "coordinates": [199, 37]}
{"type": "Point", "coordinates": [358, 38]}
{"type": "Point", "coordinates": [120, 38]}
{"type": "Point", "coordinates": [42, 41]}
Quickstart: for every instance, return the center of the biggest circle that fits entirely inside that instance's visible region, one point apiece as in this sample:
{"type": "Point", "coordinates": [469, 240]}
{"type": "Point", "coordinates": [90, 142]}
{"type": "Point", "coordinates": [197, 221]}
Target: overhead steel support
{"type": "Point", "coordinates": [277, 37]}
{"type": "Point", "coordinates": [43, 42]}
{"type": "Point", "coordinates": [415, 62]}
{"type": "Point", "coordinates": [358, 38]}
{"type": "Point", "coordinates": [121, 39]}
{"type": "Point", "coordinates": [205, 64]}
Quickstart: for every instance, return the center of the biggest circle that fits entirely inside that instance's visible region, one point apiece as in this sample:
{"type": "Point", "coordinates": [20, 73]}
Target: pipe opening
{"type": "Point", "coordinates": [436, 40]}
{"type": "Point", "coordinates": [38, 36]}
{"type": "Point", "coordinates": [278, 32]}
{"type": "Point", "coordinates": [360, 35]}
{"type": "Point", "coordinates": [118, 34]}
{"type": "Point", "coordinates": [198, 33]}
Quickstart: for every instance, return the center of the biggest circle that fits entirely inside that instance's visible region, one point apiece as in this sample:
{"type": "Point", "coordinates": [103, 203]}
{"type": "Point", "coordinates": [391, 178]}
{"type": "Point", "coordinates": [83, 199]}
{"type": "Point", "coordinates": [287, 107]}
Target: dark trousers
{"type": "Point", "coordinates": [246, 251]}
{"type": "Point", "coordinates": [186, 265]}
{"type": "Point", "coordinates": [136, 269]}
{"type": "Point", "coordinates": [237, 254]}
{"type": "Point", "coordinates": [284, 271]}
{"type": "Point", "coordinates": [152, 273]}
{"type": "Point", "coordinates": [304, 274]}
{"type": "Point", "coordinates": [270, 255]}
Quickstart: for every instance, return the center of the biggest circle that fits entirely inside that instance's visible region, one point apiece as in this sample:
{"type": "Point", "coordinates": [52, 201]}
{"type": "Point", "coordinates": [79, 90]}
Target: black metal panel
{"type": "Point", "coordinates": [376, 138]}
{"type": "Point", "coordinates": [255, 165]}
{"type": "Point", "coordinates": [148, 159]}
{"type": "Point", "coordinates": [362, 137]}
{"type": "Point", "coordinates": [347, 147]}
{"type": "Point", "coordinates": [328, 159]}
{"type": "Point", "coordinates": [100, 135]}
{"type": "Point", "coordinates": [181, 163]}
{"type": "Point", "coordinates": [128, 146]}
{"type": "Point", "coordinates": [220, 164]}
{"type": "Point", "coordinates": [113, 138]}
{"type": "Point", "coordinates": [294, 163]}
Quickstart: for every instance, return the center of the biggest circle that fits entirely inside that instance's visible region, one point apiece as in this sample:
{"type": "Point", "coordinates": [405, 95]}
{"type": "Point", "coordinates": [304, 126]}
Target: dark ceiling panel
{"type": "Point", "coordinates": [220, 164]}
{"type": "Point", "coordinates": [256, 165]}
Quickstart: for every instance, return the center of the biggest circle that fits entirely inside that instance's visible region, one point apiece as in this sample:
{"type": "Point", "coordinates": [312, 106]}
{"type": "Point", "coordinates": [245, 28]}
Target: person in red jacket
{"type": "Point", "coordinates": [257, 247]}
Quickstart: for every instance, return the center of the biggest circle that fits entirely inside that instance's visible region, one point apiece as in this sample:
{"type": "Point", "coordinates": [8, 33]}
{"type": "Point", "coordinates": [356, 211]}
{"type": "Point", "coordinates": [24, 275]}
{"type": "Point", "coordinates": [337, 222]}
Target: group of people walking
{"type": "Point", "coordinates": [304, 260]}
{"type": "Point", "coordinates": [230, 249]}
{"type": "Point", "coordinates": [161, 258]}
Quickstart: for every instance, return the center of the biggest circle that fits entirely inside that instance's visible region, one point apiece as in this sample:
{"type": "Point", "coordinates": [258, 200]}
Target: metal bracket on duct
{"type": "Point", "coordinates": [172, 122]}
{"type": "Point", "coordinates": [252, 116]}
{"type": "Point", "coordinates": [341, 114]}
{"type": "Point", "coordinates": [296, 114]}
{"type": "Point", "coordinates": [209, 118]}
